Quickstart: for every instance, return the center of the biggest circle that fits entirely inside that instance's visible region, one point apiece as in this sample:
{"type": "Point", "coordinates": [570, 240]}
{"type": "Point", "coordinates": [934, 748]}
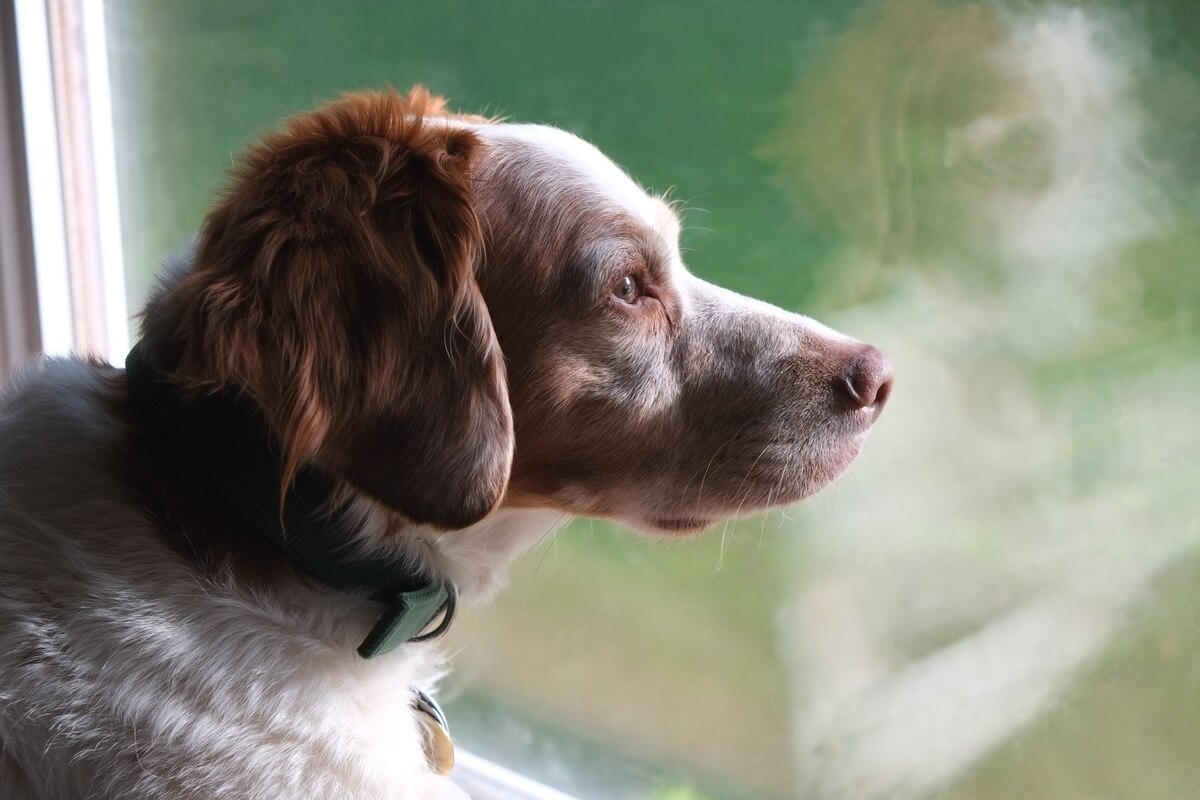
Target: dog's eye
{"type": "Point", "coordinates": [627, 289]}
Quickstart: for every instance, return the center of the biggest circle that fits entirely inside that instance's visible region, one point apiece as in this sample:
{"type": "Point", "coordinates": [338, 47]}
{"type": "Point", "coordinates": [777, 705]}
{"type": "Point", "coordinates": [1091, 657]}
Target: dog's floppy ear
{"type": "Point", "coordinates": [335, 285]}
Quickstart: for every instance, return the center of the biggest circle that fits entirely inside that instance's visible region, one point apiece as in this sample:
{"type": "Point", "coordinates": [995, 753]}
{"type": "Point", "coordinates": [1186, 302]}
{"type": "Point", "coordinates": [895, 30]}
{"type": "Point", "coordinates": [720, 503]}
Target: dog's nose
{"type": "Point", "coordinates": [867, 379]}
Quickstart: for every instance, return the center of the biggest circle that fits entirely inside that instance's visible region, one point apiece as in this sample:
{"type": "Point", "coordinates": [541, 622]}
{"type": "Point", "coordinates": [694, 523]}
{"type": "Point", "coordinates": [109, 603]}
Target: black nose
{"type": "Point", "coordinates": [867, 379]}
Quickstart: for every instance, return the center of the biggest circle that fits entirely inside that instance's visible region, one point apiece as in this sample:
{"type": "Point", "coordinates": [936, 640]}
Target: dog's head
{"type": "Point", "coordinates": [447, 313]}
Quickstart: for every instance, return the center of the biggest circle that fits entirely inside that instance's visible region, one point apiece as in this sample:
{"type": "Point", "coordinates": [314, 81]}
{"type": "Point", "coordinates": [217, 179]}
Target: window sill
{"type": "Point", "coordinates": [484, 780]}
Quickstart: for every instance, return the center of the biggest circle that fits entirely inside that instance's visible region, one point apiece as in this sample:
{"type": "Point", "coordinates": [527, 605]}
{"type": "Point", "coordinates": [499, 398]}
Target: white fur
{"type": "Point", "coordinates": [125, 674]}
{"type": "Point", "coordinates": [593, 166]}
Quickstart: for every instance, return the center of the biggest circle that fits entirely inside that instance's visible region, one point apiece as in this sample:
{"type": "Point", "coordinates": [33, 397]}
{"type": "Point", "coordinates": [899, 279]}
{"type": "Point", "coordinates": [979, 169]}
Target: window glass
{"type": "Point", "coordinates": [1000, 599]}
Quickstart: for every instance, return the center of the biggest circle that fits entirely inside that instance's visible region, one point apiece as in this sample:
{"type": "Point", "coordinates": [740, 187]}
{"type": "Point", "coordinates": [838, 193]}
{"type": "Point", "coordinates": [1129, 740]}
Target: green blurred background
{"type": "Point", "coordinates": [1002, 598]}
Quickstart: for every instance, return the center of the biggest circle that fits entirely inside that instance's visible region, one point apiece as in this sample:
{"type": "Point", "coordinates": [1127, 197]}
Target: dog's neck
{"type": "Point", "coordinates": [475, 560]}
{"type": "Point", "coordinates": [221, 437]}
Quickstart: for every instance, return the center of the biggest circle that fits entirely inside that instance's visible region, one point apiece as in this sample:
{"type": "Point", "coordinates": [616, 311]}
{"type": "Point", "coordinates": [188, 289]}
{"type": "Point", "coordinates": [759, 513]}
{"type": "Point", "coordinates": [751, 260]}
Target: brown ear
{"type": "Point", "coordinates": [335, 285]}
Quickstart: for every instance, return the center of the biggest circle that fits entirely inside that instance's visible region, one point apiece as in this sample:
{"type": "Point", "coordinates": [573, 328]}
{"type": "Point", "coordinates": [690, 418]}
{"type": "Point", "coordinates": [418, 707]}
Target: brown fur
{"type": "Point", "coordinates": [335, 285]}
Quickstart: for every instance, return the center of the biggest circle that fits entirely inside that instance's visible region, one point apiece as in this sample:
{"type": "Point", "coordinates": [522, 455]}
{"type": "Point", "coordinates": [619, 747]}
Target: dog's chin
{"type": "Point", "coordinates": [679, 526]}
{"type": "Point", "coordinates": [804, 480]}
{"type": "Point", "coordinates": [819, 473]}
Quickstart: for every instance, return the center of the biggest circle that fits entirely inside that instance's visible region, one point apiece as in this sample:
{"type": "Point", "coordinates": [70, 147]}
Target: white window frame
{"type": "Point", "coordinates": [19, 329]}
{"type": "Point", "coordinates": [71, 185]}
{"type": "Point", "coordinates": [62, 268]}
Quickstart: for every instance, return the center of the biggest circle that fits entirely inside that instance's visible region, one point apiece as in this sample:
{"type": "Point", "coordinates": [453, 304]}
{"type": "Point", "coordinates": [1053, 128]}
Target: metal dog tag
{"type": "Point", "coordinates": [439, 748]}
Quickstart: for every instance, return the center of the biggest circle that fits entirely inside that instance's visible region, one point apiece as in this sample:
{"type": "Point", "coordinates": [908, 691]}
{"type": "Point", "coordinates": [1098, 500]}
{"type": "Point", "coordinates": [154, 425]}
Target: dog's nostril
{"type": "Point", "coordinates": [868, 378]}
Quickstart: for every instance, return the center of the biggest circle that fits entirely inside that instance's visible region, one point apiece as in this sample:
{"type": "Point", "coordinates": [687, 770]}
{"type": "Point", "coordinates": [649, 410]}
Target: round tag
{"type": "Point", "coordinates": [439, 748]}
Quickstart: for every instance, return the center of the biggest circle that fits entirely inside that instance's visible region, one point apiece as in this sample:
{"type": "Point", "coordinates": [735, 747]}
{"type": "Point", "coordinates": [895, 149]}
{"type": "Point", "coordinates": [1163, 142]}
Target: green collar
{"type": "Point", "coordinates": [221, 437]}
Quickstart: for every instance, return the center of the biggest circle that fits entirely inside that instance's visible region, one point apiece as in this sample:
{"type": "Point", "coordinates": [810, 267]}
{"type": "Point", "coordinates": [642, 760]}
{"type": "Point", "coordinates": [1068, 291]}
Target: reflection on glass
{"type": "Point", "coordinates": [999, 600]}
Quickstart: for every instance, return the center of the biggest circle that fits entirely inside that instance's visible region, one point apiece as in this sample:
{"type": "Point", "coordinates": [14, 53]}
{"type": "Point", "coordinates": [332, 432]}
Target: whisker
{"type": "Point", "coordinates": [552, 532]}
{"type": "Point", "coordinates": [707, 467]}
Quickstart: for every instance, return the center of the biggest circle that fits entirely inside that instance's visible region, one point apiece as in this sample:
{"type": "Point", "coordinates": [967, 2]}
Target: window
{"type": "Point", "coordinates": [61, 222]}
{"type": "Point", "coordinates": [1000, 599]}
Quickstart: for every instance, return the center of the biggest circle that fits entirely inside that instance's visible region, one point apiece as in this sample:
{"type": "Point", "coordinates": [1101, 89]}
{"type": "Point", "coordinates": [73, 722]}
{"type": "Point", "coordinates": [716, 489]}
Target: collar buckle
{"type": "Point", "coordinates": [417, 615]}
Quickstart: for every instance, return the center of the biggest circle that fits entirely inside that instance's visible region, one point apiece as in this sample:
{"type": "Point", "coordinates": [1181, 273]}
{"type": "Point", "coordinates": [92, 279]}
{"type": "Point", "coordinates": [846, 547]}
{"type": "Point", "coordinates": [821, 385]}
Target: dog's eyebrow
{"type": "Point", "coordinates": [600, 263]}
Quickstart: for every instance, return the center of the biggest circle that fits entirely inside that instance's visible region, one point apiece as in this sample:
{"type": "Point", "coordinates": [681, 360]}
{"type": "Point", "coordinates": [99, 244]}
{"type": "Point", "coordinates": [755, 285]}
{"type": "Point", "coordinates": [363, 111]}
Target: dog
{"type": "Point", "coordinates": [405, 343]}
